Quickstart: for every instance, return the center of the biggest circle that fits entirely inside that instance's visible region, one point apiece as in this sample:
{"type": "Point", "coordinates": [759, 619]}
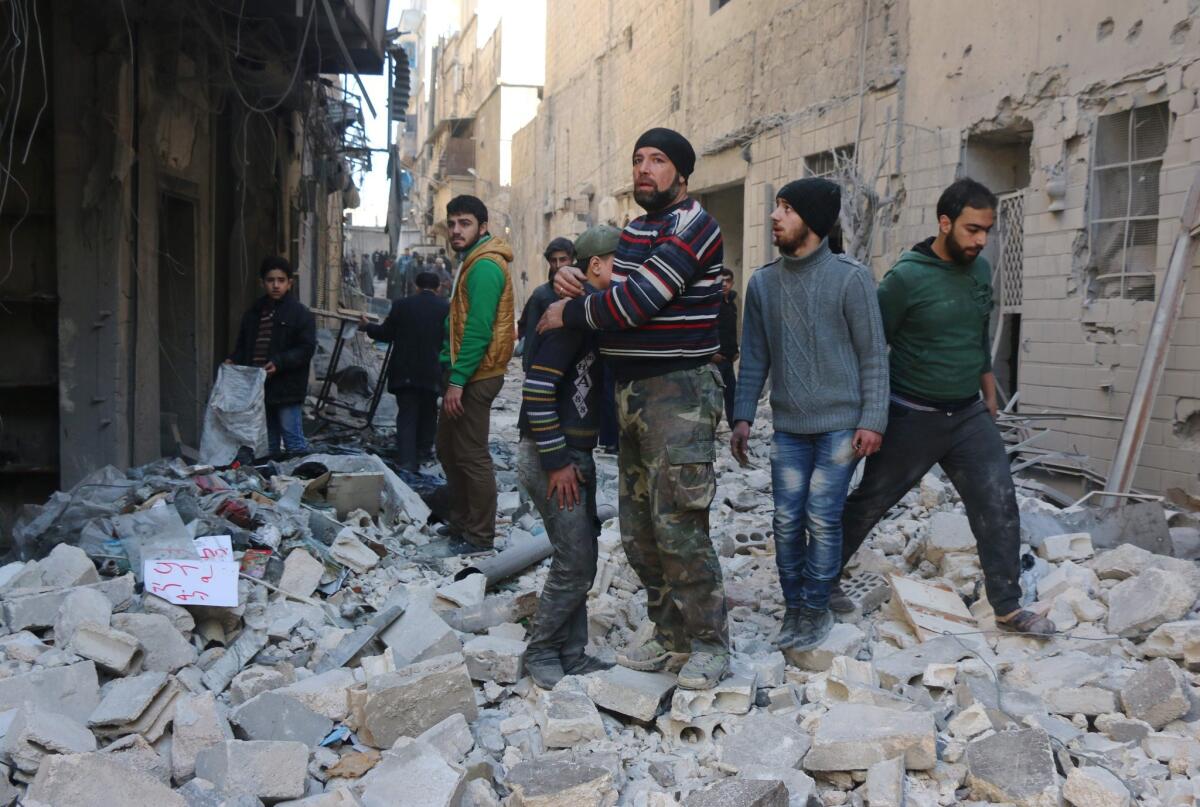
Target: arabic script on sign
{"type": "Point", "coordinates": [193, 582]}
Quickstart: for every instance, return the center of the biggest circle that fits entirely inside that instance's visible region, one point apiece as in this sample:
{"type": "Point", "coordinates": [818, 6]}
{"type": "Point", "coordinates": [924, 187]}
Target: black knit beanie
{"type": "Point", "coordinates": [672, 144]}
{"type": "Point", "coordinates": [817, 201]}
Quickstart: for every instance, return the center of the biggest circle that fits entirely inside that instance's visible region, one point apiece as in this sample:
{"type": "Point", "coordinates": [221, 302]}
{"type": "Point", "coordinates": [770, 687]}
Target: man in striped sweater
{"type": "Point", "coordinates": [658, 333]}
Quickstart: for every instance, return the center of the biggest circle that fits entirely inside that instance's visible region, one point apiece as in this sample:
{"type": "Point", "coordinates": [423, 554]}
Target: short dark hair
{"type": "Point", "coordinates": [964, 192]}
{"type": "Point", "coordinates": [275, 262]}
{"type": "Point", "coordinates": [727, 273]}
{"type": "Point", "coordinates": [468, 204]}
{"type": "Point", "coordinates": [427, 280]}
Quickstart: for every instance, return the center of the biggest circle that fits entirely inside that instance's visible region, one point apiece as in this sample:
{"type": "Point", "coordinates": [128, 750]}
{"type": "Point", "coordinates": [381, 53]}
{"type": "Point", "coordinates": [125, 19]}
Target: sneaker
{"type": "Point", "coordinates": [703, 670]}
{"type": "Point", "coordinates": [651, 657]}
{"type": "Point", "coordinates": [812, 628]}
{"type": "Point", "coordinates": [787, 631]}
{"type": "Point", "coordinates": [545, 672]}
{"type": "Point", "coordinates": [584, 664]}
{"type": "Point", "coordinates": [1027, 622]}
{"type": "Point", "coordinates": [839, 601]}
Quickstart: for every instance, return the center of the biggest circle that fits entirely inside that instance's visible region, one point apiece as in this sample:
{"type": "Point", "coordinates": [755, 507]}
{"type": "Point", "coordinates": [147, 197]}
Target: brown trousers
{"type": "Point", "coordinates": [462, 447]}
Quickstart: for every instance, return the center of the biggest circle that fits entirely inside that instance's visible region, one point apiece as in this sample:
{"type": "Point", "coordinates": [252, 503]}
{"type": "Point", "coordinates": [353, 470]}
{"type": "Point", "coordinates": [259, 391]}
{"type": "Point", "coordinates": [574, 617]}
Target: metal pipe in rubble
{"type": "Point", "coordinates": [528, 549]}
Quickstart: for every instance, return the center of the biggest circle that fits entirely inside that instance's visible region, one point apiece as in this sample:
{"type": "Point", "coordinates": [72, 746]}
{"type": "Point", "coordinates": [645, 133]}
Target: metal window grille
{"type": "Point", "coordinates": [1126, 163]}
{"type": "Point", "coordinates": [1010, 265]}
{"type": "Point", "coordinates": [827, 163]}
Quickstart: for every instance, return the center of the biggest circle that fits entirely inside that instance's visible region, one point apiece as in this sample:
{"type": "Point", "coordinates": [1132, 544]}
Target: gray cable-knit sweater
{"type": "Point", "coordinates": [813, 324]}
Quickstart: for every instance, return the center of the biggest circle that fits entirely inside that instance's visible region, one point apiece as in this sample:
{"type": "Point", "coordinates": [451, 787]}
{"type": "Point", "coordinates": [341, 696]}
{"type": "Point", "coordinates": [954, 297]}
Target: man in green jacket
{"type": "Point", "coordinates": [936, 302]}
{"type": "Point", "coordinates": [479, 342]}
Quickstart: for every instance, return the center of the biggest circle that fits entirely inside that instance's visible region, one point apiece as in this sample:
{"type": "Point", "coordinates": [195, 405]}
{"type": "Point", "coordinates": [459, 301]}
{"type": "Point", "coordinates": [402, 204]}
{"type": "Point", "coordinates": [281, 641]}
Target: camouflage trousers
{"type": "Point", "coordinates": [667, 449]}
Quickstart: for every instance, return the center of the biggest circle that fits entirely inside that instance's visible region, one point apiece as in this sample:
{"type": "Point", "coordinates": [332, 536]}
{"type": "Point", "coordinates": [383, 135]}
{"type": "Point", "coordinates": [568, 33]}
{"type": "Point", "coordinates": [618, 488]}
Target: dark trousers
{"type": "Point", "coordinates": [608, 410]}
{"type": "Point", "coordinates": [727, 375]}
{"type": "Point", "coordinates": [416, 425]}
{"type": "Point", "coordinates": [462, 446]}
{"type": "Point", "coordinates": [969, 448]}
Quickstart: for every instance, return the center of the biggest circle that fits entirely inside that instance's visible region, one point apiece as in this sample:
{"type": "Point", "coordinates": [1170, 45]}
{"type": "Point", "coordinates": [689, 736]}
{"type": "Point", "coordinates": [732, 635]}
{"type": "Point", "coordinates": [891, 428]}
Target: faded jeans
{"type": "Point", "coordinates": [285, 424]}
{"type": "Point", "coordinates": [810, 477]}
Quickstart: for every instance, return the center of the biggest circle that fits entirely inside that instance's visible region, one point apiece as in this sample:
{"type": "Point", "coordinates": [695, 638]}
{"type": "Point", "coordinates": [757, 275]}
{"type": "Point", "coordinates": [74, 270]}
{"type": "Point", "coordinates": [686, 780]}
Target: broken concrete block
{"type": "Point", "coordinates": [1013, 766]}
{"type": "Point", "coordinates": [940, 676]}
{"type": "Point", "coordinates": [1171, 639]}
{"type": "Point", "coordinates": [274, 716]}
{"type": "Point", "coordinates": [126, 699]}
{"type": "Point", "coordinates": [326, 693]}
{"type": "Point", "coordinates": [41, 609]}
{"type": "Point", "coordinates": [115, 650]}
{"type": "Point", "coordinates": [342, 797]}
{"type": "Point", "coordinates": [98, 779]}
{"type": "Point", "coordinates": [72, 690]}
{"type": "Point", "coordinates": [1085, 700]}
{"type": "Point", "coordinates": [452, 738]}
{"type": "Point", "coordinates": [247, 645]}
{"type": "Point", "coordinates": [733, 696]}
{"type": "Point", "coordinates": [301, 573]}
{"type": "Point", "coordinates": [801, 789]}
{"type": "Point", "coordinates": [767, 670]}
{"type": "Point", "coordinates": [420, 634]}
{"type": "Point", "coordinates": [763, 740]}
{"type": "Point", "coordinates": [23, 646]}
{"type": "Point", "coordinates": [198, 725]}
{"type": "Point", "coordinates": [180, 617]}
{"type": "Point", "coordinates": [1085, 608]}
{"type": "Point", "coordinates": [948, 532]}
{"type": "Point", "coordinates": [551, 782]}
{"type": "Point", "coordinates": [253, 680]}
{"type": "Point", "coordinates": [1121, 563]}
{"type": "Point", "coordinates": [493, 658]}
{"type": "Point", "coordinates": [67, 566]}
{"type": "Point", "coordinates": [414, 698]}
{"type": "Point", "coordinates": [740, 793]}
{"type": "Point", "coordinates": [844, 640]}
{"type": "Point", "coordinates": [134, 752]}
{"type": "Point", "coordinates": [416, 769]}
{"type": "Point", "coordinates": [629, 692]}
{"type": "Point", "coordinates": [904, 666]}
{"type": "Point", "coordinates": [885, 783]}
{"type": "Point", "coordinates": [465, 593]}
{"type": "Point", "coordinates": [34, 733]}
{"type": "Point", "coordinates": [1064, 577]}
{"type": "Point", "coordinates": [353, 553]}
{"type": "Point", "coordinates": [271, 771]}
{"type": "Point", "coordinates": [153, 721]}
{"type": "Point", "coordinates": [203, 793]}
{"type": "Point", "coordinates": [697, 731]}
{"type": "Point", "coordinates": [79, 606]}
{"type": "Point", "coordinates": [1071, 546]}
{"type": "Point", "coordinates": [163, 647]}
{"type": "Point", "coordinates": [1156, 693]}
{"type": "Point", "coordinates": [1095, 787]}
{"type": "Point", "coordinates": [568, 717]}
{"type": "Point", "coordinates": [970, 722]}
{"type": "Point", "coordinates": [1142, 603]}
{"type": "Point", "coordinates": [854, 737]}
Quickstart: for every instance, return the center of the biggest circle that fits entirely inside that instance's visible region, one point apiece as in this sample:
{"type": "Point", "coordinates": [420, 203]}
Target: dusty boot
{"type": "Point", "coordinates": [583, 664]}
{"type": "Point", "coordinates": [787, 631]}
{"type": "Point", "coordinates": [839, 601]}
{"type": "Point", "coordinates": [703, 670]}
{"type": "Point", "coordinates": [1022, 621]}
{"type": "Point", "coordinates": [812, 628]}
{"type": "Point", "coordinates": [651, 657]}
{"type": "Point", "coordinates": [546, 671]}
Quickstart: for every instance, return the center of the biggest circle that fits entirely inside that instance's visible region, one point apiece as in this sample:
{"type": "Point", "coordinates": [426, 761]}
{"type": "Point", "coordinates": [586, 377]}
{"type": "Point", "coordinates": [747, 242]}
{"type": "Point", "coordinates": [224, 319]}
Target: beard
{"type": "Point", "coordinates": [789, 244]}
{"type": "Point", "coordinates": [655, 200]}
{"type": "Point", "coordinates": [958, 253]}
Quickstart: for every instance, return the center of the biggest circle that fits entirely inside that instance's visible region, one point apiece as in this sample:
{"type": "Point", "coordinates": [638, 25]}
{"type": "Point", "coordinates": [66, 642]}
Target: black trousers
{"type": "Point", "coordinates": [969, 449]}
{"type": "Point", "coordinates": [416, 425]}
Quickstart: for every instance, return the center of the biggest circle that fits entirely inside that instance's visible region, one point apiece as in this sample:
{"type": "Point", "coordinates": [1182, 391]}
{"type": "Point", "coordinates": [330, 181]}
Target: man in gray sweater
{"type": "Point", "coordinates": [812, 321]}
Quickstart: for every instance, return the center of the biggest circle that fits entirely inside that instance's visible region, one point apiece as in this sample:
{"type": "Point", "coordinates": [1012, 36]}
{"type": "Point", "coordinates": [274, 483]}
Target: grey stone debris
{"type": "Point", "coordinates": [740, 793]}
{"type": "Point", "coordinates": [163, 647]}
{"type": "Point", "coordinates": [253, 680]}
{"type": "Point", "coordinates": [275, 716]}
{"type": "Point", "coordinates": [237, 655]}
{"type": "Point", "coordinates": [412, 699]}
{"type": "Point", "coordinates": [110, 648]}
{"type": "Point", "coordinates": [126, 699]}
{"type": "Point", "coordinates": [198, 725]}
{"type": "Point", "coordinates": [452, 738]}
{"type": "Point", "coordinates": [844, 640]}
{"type": "Point", "coordinates": [854, 737]}
{"type": "Point", "coordinates": [948, 532]}
{"type": "Point", "coordinates": [34, 733]}
{"type": "Point", "coordinates": [1156, 693]}
{"type": "Point", "coordinates": [301, 573]}
{"type": "Point", "coordinates": [1140, 604]}
{"type": "Point", "coordinates": [568, 717]}
{"type": "Point", "coordinates": [73, 690]}
{"type": "Point", "coordinates": [67, 566]}
{"type": "Point", "coordinates": [800, 786]}
{"type": "Point", "coordinates": [629, 692]}
{"type": "Point", "coordinates": [559, 782]}
{"type": "Point", "coordinates": [1084, 700]}
{"type": "Point", "coordinates": [1013, 766]}
{"type": "Point", "coordinates": [41, 609]}
{"type": "Point", "coordinates": [420, 634]}
{"type": "Point", "coordinates": [763, 740]}
{"type": "Point", "coordinates": [79, 606]}
{"type": "Point", "coordinates": [271, 771]}
{"type": "Point", "coordinates": [203, 793]}
{"type": "Point", "coordinates": [885, 783]}
{"type": "Point", "coordinates": [98, 779]}
{"type": "Point", "coordinates": [326, 693]}
{"type": "Point", "coordinates": [135, 752]}
{"type": "Point", "coordinates": [903, 666]}
{"type": "Point", "coordinates": [494, 658]}
{"type": "Point", "coordinates": [416, 770]}
{"type": "Point", "coordinates": [733, 696]}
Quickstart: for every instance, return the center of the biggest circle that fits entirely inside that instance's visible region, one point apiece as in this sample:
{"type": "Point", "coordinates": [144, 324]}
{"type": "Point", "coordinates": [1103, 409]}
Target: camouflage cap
{"type": "Point", "coordinates": [599, 240]}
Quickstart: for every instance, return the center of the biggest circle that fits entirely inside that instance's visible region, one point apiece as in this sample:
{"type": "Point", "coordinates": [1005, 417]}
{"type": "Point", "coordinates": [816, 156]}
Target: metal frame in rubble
{"type": "Point", "coordinates": [325, 401]}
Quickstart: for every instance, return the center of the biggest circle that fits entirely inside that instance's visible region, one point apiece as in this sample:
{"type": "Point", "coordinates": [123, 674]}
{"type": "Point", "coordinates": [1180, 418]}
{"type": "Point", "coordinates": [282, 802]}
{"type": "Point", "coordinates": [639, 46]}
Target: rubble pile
{"type": "Point", "coordinates": [363, 664]}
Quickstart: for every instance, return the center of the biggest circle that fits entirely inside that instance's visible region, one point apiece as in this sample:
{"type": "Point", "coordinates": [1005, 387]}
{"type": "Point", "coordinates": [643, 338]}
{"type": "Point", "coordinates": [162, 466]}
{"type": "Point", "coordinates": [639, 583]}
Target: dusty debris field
{"type": "Point", "coordinates": [358, 668]}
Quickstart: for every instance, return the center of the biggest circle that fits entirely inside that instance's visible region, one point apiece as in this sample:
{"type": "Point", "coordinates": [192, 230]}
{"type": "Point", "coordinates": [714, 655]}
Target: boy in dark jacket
{"type": "Point", "coordinates": [279, 335]}
{"type": "Point", "coordinates": [414, 325]}
{"type": "Point", "coordinates": [559, 422]}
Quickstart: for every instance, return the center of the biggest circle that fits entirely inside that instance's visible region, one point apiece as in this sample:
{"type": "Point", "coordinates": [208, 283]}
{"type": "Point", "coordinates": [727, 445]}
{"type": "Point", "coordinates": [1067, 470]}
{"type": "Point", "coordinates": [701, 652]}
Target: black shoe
{"type": "Point", "coordinates": [545, 672]}
{"type": "Point", "coordinates": [459, 545]}
{"type": "Point", "coordinates": [839, 601]}
{"type": "Point", "coordinates": [787, 631]}
{"type": "Point", "coordinates": [584, 664]}
{"type": "Point", "coordinates": [812, 628]}
{"type": "Point", "coordinates": [446, 531]}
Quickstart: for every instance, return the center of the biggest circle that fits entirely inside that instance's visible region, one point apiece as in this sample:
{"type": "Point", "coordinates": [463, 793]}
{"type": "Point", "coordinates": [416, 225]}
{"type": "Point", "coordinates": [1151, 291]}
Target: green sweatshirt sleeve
{"type": "Point", "coordinates": [485, 284]}
{"type": "Point", "coordinates": [893, 303]}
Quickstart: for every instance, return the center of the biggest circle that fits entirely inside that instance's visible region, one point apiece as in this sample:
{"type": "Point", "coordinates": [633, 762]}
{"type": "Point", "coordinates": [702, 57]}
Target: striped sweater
{"type": "Point", "coordinates": [560, 399]}
{"type": "Point", "coordinates": [660, 313]}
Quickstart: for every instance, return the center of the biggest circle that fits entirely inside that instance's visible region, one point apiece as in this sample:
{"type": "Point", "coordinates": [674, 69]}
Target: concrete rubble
{"type": "Point", "coordinates": [358, 666]}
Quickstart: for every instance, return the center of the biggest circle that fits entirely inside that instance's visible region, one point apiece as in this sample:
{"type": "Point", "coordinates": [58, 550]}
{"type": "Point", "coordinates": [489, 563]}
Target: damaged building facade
{"type": "Point", "coordinates": [1082, 117]}
{"type": "Point", "coordinates": [153, 154]}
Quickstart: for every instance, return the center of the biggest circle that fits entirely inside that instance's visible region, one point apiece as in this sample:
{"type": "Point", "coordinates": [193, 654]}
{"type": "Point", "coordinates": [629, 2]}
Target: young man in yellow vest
{"type": "Point", "coordinates": [479, 342]}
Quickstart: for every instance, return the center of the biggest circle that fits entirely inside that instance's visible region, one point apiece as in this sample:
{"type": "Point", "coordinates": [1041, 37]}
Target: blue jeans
{"type": "Point", "coordinates": [285, 423]}
{"type": "Point", "coordinates": [810, 477]}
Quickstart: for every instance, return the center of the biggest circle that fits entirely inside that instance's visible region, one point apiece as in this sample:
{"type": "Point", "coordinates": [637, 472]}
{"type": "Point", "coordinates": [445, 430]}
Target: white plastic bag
{"type": "Point", "coordinates": [236, 415]}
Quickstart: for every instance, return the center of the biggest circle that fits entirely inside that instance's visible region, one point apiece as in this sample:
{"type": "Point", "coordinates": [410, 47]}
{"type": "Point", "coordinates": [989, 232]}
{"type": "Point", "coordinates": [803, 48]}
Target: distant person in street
{"type": "Point", "coordinates": [478, 344]}
{"type": "Point", "coordinates": [658, 331]}
{"type": "Point", "coordinates": [812, 325]}
{"type": "Point", "coordinates": [727, 325]}
{"type": "Point", "coordinates": [559, 253]}
{"type": "Point", "coordinates": [936, 302]}
{"type": "Point", "coordinates": [397, 282]}
{"type": "Point", "coordinates": [279, 335]}
{"type": "Point", "coordinates": [414, 326]}
{"type": "Point", "coordinates": [366, 276]}
{"type": "Point", "coordinates": [558, 424]}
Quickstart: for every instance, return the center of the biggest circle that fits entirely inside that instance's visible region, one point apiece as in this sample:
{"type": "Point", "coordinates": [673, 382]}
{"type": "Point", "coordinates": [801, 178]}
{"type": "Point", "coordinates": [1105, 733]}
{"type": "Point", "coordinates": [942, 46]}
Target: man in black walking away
{"type": "Point", "coordinates": [727, 325]}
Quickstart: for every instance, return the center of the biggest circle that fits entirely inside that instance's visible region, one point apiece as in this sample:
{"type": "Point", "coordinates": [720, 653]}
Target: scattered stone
{"type": "Point", "coordinates": [326, 693]}
{"type": "Point", "coordinates": [1172, 640]}
{"type": "Point", "coordinates": [414, 698]}
{"type": "Point", "coordinates": [253, 680]}
{"type": "Point", "coordinates": [1156, 693]}
{"type": "Point", "coordinates": [163, 647]}
{"type": "Point", "coordinates": [733, 696]}
{"type": "Point", "coordinates": [180, 617]}
{"type": "Point", "coordinates": [1142, 603]}
{"type": "Point", "coordinates": [135, 752]}
{"type": "Point", "coordinates": [1095, 787]}
{"type": "Point", "coordinates": [353, 553]}
{"type": "Point", "coordinates": [763, 740]}
{"type": "Point", "coordinates": [844, 640]}
{"type": "Point", "coordinates": [33, 734]}
{"type": "Point", "coordinates": [40, 610]}
{"type": "Point", "coordinates": [801, 788]}
{"type": "Point", "coordinates": [271, 771]}
{"type": "Point", "coordinates": [466, 592]}
{"type": "Point", "coordinates": [418, 771]}
{"type": "Point", "coordinates": [66, 567]}
{"type": "Point", "coordinates": [1013, 766]}
{"type": "Point", "coordinates": [420, 634]}
{"type": "Point", "coordinates": [854, 737]}
{"type": "Point", "coordinates": [112, 649]}
{"type": "Point", "coordinates": [301, 573]}
{"type": "Point", "coordinates": [948, 532]}
{"type": "Point", "coordinates": [452, 738]}
{"type": "Point", "coordinates": [275, 716]}
{"type": "Point", "coordinates": [1085, 700]}
{"type": "Point", "coordinates": [970, 722]}
{"type": "Point", "coordinates": [629, 692]}
{"type": "Point", "coordinates": [885, 783]}
{"type": "Point", "coordinates": [198, 725]}
{"type": "Point", "coordinates": [567, 718]}
{"type": "Point", "coordinates": [97, 779]}
{"type": "Point", "coordinates": [1071, 546]}
{"type": "Point", "coordinates": [126, 699]}
{"type": "Point", "coordinates": [79, 606]}
{"type": "Point", "coordinates": [494, 658]}
{"type": "Point", "coordinates": [553, 782]}
{"type": "Point", "coordinates": [740, 793]}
